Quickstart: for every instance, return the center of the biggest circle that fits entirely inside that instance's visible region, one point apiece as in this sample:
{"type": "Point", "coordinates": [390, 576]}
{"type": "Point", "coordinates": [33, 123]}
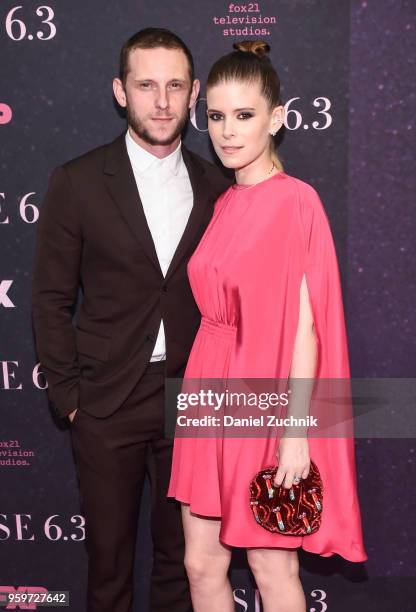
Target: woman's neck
{"type": "Point", "coordinates": [262, 168]}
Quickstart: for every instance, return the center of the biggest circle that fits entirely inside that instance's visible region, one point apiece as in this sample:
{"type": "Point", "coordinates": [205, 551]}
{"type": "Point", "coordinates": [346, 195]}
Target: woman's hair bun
{"type": "Point", "coordinates": [258, 47]}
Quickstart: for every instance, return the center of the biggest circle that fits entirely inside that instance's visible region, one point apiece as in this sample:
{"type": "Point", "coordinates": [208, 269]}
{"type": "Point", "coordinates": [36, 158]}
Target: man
{"type": "Point", "coordinates": [120, 223]}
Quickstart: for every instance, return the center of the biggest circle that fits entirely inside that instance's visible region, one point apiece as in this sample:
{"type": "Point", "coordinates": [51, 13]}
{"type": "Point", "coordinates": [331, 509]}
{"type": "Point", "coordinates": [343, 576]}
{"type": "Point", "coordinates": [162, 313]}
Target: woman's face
{"type": "Point", "coordinates": [240, 122]}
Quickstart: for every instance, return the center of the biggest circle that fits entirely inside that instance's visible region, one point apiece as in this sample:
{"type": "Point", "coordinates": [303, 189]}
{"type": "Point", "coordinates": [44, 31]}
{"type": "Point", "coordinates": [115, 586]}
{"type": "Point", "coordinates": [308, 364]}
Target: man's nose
{"type": "Point", "coordinates": [162, 100]}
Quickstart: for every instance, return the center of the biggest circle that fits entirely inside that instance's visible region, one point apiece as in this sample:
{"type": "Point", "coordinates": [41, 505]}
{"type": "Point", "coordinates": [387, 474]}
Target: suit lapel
{"type": "Point", "coordinates": [122, 186]}
{"type": "Point", "coordinates": [201, 191]}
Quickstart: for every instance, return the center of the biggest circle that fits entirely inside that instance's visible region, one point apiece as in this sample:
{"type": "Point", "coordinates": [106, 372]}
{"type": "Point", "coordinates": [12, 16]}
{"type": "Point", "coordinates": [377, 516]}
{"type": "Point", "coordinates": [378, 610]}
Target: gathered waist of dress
{"type": "Point", "coordinates": [215, 327]}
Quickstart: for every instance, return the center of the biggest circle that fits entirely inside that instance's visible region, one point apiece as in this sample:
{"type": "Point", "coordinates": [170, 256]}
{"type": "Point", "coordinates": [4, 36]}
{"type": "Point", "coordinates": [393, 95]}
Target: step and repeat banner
{"type": "Point", "coordinates": [348, 88]}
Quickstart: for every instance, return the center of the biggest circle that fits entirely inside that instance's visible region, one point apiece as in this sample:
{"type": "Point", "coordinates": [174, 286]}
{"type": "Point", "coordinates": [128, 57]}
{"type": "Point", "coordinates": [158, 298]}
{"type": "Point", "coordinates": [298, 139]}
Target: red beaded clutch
{"type": "Point", "coordinates": [296, 511]}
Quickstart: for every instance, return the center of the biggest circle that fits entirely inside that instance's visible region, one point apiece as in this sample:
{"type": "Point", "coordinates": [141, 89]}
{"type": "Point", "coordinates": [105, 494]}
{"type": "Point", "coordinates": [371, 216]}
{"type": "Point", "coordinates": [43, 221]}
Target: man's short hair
{"type": "Point", "coordinates": [152, 38]}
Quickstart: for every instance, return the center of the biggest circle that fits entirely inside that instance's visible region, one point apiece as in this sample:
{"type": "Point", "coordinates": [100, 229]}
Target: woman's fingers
{"type": "Point", "coordinates": [284, 476]}
{"type": "Point", "coordinates": [293, 462]}
{"type": "Point", "coordinates": [305, 472]}
{"type": "Point", "coordinates": [289, 476]}
{"type": "Point", "coordinates": [280, 476]}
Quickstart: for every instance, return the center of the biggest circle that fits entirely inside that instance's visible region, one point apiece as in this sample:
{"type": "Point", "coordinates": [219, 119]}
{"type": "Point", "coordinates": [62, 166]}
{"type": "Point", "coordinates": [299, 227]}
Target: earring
{"type": "Point", "coordinates": [274, 132]}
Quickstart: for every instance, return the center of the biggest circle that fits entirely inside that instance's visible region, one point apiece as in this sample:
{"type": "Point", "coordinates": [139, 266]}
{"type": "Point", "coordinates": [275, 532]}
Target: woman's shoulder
{"type": "Point", "coordinates": [306, 197]}
{"type": "Point", "coordinates": [304, 191]}
{"type": "Point", "coordinates": [223, 197]}
{"type": "Point", "coordinates": [307, 205]}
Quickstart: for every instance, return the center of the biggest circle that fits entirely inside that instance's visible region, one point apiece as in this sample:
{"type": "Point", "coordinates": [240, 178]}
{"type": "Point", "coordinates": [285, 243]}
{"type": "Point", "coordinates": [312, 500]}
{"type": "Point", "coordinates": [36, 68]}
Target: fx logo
{"type": "Point", "coordinates": [4, 298]}
{"type": "Point", "coordinates": [16, 602]}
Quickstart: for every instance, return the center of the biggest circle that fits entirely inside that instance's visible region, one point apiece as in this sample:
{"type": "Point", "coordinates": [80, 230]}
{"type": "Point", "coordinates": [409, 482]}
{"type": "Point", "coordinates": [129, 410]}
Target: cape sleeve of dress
{"type": "Point", "coordinates": [334, 453]}
{"type": "Point", "coordinates": [324, 286]}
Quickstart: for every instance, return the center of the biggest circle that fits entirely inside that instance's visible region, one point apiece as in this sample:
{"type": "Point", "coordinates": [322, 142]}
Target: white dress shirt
{"type": "Point", "coordinates": [166, 194]}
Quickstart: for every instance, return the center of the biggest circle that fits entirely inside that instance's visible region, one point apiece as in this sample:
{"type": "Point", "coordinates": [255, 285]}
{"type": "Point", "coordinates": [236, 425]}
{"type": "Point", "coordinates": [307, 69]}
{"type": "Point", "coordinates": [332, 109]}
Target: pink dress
{"type": "Point", "coordinates": [245, 275]}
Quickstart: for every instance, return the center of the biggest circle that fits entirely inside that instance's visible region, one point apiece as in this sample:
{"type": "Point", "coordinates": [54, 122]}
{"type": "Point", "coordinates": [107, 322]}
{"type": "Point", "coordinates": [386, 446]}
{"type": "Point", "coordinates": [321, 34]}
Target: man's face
{"type": "Point", "coordinates": [157, 95]}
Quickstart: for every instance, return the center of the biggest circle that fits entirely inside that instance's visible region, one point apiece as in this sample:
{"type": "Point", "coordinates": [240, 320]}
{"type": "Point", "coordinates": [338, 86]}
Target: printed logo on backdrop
{"type": "Point", "coordinates": [293, 119]}
{"type": "Point", "coordinates": [13, 453]}
{"type": "Point", "coordinates": [248, 600]}
{"type": "Point", "coordinates": [30, 24]}
{"type": "Point", "coordinates": [245, 19]}
{"type": "Point", "coordinates": [24, 210]}
{"type": "Point", "coordinates": [6, 113]}
{"type": "Point", "coordinates": [54, 528]}
{"type": "Point", "coordinates": [5, 300]}
{"type": "Point", "coordinates": [9, 380]}
{"type": "Point", "coordinates": [19, 597]}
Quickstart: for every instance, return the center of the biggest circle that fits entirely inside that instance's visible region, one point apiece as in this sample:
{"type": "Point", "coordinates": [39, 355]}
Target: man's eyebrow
{"type": "Point", "coordinates": [141, 79]}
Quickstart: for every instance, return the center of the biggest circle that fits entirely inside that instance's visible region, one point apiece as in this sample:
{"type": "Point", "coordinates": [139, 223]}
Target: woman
{"type": "Point", "coordinates": [265, 278]}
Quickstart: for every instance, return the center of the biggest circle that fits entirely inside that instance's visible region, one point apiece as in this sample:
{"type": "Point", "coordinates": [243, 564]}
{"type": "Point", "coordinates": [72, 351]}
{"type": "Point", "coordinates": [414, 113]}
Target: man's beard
{"type": "Point", "coordinates": [140, 130]}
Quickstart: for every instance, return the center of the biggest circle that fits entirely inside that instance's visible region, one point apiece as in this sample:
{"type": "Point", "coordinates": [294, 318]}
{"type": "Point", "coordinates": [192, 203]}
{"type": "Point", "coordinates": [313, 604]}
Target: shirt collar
{"type": "Point", "coordinates": [142, 160]}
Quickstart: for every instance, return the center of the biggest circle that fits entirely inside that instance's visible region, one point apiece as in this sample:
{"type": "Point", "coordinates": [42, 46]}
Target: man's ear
{"type": "Point", "coordinates": [119, 92]}
{"type": "Point", "coordinates": [196, 86]}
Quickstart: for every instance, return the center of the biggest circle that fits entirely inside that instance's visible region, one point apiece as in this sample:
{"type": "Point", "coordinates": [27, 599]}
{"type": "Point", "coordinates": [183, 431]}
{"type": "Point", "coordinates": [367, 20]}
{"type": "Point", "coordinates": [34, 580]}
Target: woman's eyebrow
{"type": "Point", "coordinates": [235, 110]}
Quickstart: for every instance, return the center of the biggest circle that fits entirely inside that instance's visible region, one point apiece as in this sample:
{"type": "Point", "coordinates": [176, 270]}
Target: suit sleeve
{"type": "Point", "coordinates": [55, 290]}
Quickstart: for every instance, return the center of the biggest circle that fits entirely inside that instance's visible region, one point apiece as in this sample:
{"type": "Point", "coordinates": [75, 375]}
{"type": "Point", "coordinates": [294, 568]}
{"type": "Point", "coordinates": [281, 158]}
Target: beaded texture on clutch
{"type": "Point", "coordinates": [296, 511]}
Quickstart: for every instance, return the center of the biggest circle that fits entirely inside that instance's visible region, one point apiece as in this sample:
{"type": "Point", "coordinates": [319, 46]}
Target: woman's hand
{"type": "Point", "coordinates": [293, 460]}
{"type": "Point", "coordinates": [293, 452]}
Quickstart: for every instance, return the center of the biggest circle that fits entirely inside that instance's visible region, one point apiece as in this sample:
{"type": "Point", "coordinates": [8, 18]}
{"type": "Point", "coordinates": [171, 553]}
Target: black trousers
{"type": "Point", "coordinates": [112, 457]}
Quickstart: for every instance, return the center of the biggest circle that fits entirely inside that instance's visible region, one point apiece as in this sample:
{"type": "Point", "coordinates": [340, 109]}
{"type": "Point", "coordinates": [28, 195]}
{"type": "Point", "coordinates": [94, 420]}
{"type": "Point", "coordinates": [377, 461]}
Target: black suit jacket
{"type": "Point", "coordinates": [93, 235]}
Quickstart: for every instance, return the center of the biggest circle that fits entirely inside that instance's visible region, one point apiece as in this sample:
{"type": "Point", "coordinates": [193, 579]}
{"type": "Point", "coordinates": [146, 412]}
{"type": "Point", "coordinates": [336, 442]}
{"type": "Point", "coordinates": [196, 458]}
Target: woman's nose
{"type": "Point", "coordinates": [228, 128]}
